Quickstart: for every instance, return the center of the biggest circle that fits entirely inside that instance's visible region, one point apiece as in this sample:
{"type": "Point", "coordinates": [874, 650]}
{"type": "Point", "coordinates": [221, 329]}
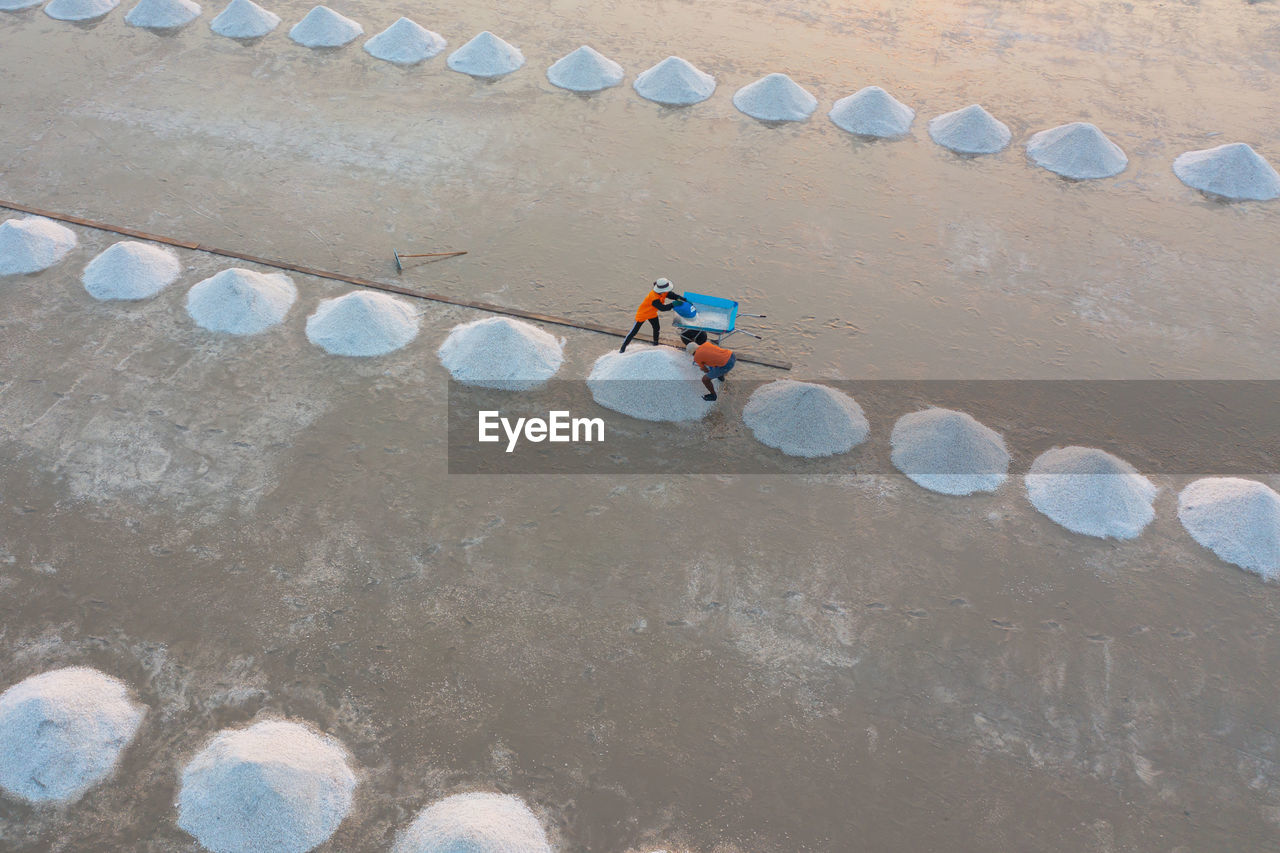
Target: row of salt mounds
{"type": "Point", "coordinates": [971, 130]}
{"type": "Point", "coordinates": [872, 112]}
{"type": "Point", "coordinates": [804, 419]}
{"type": "Point", "coordinates": [949, 452]}
{"type": "Point", "coordinates": [62, 732]}
{"type": "Point", "coordinates": [652, 384]}
{"type": "Point", "coordinates": [585, 70]}
{"type": "Point", "coordinates": [244, 19]}
{"type": "Point", "coordinates": [405, 43]}
{"type": "Point", "coordinates": [1233, 171]}
{"type": "Point", "coordinates": [162, 14]}
{"type": "Point", "coordinates": [32, 244]}
{"type": "Point", "coordinates": [498, 352]}
{"type": "Point", "coordinates": [362, 323]}
{"type": "Point", "coordinates": [486, 55]}
{"type": "Point", "coordinates": [323, 27]}
{"type": "Point", "coordinates": [1239, 520]}
{"type": "Point", "coordinates": [674, 82]}
{"type": "Point", "coordinates": [277, 786]}
{"type": "Point", "coordinates": [475, 823]}
{"type": "Point", "coordinates": [1078, 151]}
{"type": "Point", "coordinates": [79, 10]}
{"type": "Point", "coordinates": [131, 270]}
{"type": "Point", "coordinates": [1089, 491]}
{"type": "Point", "coordinates": [775, 97]}
{"type": "Point", "coordinates": [240, 301]}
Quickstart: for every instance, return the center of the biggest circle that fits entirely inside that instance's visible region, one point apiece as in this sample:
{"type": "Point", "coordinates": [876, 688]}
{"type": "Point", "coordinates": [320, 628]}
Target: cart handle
{"type": "Point", "coordinates": [740, 314]}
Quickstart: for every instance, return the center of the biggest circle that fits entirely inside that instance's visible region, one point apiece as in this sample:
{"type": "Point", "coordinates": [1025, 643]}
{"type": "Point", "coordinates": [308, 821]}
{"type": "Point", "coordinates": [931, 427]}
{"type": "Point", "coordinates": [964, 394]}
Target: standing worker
{"type": "Point", "coordinates": [715, 362]}
{"type": "Point", "coordinates": [656, 300]}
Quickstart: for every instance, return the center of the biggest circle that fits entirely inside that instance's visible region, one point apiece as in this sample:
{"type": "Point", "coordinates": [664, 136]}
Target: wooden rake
{"type": "Point", "coordinates": [400, 257]}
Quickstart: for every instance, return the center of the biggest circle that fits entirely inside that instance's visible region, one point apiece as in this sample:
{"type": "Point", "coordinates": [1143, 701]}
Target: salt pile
{"type": "Point", "coordinates": [486, 55]}
{"type": "Point", "coordinates": [62, 732]}
{"type": "Point", "coordinates": [585, 70]}
{"type": "Point", "coordinates": [652, 384]}
{"type": "Point", "coordinates": [971, 130]}
{"type": "Point", "coordinates": [475, 823]}
{"type": "Point", "coordinates": [18, 5]}
{"type": "Point", "coordinates": [240, 301]}
{"type": "Point", "coordinates": [277, 786]}
{"type": "Point", "coordinates": [323, 27]}
{"type": "Point", "coordinates": [803, 419]}
{"type": "Point", "coordinates": [1090, 491]}
{"type": "Point", "coordinates": [674, 82]}
{"type": "Point", "coordinates": [1233, 171]}
{"type": "Point", "coordinates": [33, 244]}
{"type": "Point", "coordinates": [79, 10]}
{"type": "Point", "coordinates": [1078, 150]}
{"type": "Point", "coordinates": [775, 97]}
{"type": "Point", "coordinates": [131, 270]}
{"type": "Point", "coordinates": [499, 352]}
{"type": "Point", "coordinates": [162, 14]}
{"type": "Point", "coordinates": [405, 43]}
{"type": "Point", "coordinates": [1239, 520]}
{"type": "Point", "coordinates": [949, 452]}
{"type": "Point", "coordinates": [362, 323]}
{"type": "Point", "coordinates": [872, 112]}
{"type": "Point", "coordinates": [244, 19]}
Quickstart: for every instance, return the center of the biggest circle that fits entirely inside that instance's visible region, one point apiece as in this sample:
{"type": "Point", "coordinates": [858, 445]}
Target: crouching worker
{"type": "Point", "coordinates": [661, 298]}
{"type": "Point", "coordinates": [715, 362]}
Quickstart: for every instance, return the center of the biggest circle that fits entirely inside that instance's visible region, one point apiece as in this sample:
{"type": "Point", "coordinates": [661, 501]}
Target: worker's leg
{"type": "Point", "coordinates": [711, 391]}
{"type": "Point", "coordinates": [653, 321]}
{"type": "Point", "coordinates": [723, 373]}
{"type": "Point", "coordinates": [631, 334]}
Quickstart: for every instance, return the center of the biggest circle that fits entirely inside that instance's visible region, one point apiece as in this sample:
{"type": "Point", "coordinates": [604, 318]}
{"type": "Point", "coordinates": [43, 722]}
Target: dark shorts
{"type": "Point", "coordinates": [719, 372]}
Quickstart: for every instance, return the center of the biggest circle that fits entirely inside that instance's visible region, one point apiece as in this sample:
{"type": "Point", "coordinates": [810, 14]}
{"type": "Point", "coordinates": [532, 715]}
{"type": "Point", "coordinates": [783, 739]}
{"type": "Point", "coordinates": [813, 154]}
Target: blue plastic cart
{"type": "Point", "coordinates": [716, 316]}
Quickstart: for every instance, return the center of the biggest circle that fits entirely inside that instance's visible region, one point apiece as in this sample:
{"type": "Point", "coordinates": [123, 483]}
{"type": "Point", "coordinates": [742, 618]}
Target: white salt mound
{"type": "Point", "coordinates": [486, 55]}
{"type": "Point", "coordinates": [971, 130]}
{"type": "Point", "coordinates": [949, 452]}
{"type": "Point", "coordinates": [872, 112]}
{"type": "Point", "coordinates": [674, 82]}
{"type": "Point", "coordinates": [162, 14]}
{"type": "Point", "coordinates": [79, 10]}
{"type": "Point", "coordinates": [585, 70]}
{"type": "Point", "coordinates": [131, 270]}
{"type": "Point", "coordinates": [276, 786]}
{"type": "Point", "coordinates": [649, 383]}
{"type": "Point", "coordinates": [1090, 491]}
{"type": "Point", "coordinates": [240, 301]}
{"type": "Point", "coordinates": [18, 5]}
{"type": "Point", "coordinates": [1078, 150]}
{"type": "Point", "coordinates": [1233, 171]}
{"type": "Point", "coordinates": [323, 27]}
{"type": "Point", "coordinates": [62, 732]}
{"type": "Point", "coordinates": [405, 43]}
{"type": "Point", "coordinates": [499, 352]}
{"type": "Point", "coordinates": [244, 19]}
{"type": "Point", "coordinates": [803, 419]}
{"type": "Point", "coordinates": [1239, 520]}
{"type": "Point", "coordinates": [775, 97]}
{"type": "Point", "coordinates": [475, 823]}
{"type": "Point", "coordinates": [362, 323]}
{"type": "Point", "coordinates": [32, 244]}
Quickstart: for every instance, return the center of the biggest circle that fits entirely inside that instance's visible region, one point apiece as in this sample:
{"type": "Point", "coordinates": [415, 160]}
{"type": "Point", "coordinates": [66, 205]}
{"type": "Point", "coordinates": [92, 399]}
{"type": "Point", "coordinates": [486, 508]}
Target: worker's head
{"type": "Point", "coordinates": [663, 285]}
{"type": "Point", "coordinates": [691, 348]}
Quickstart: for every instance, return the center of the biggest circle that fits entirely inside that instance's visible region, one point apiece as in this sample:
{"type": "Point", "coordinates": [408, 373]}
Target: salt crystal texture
{"type": "Point", "coordinates": [804, 419]}
{"type": "Point", "coordinates": [62, 732]}
{"type": "Point", "coordinates": [323, 27]}
{"type": "Point", "coordinates": [949, 452]}
{"type": "Point", "coordinates": [475, 823]}
{"type": "Point", "coordinates": [276, 785]}
{"type": "Point", "coordinates": [971, 130]}
{"type": "Point", "coordinates": [32, 244]}
{"type": "Point", "coordinates": [674, 82]}
{"type": "Point", "coordinates": [162, 14]}
{"type": "Point", "coordinates": [240, 301]}
{"type": "Point", "coordinates": [872, 112]}
{"type": "Point", "coordinates": [131, 270]}
{"type": "Point", "coordinates": [362, 323]}
{"type": "Point", "coordinates": [775, 97]}
{"type": "Point", "coordinates": [1239, 520]}
{"type": "Point", "coordinates": [1233, 171]}
{"type": "Point", "coordinates": [405, 43]}
{"type": "Point", "coordinates": [486, 55]}
{"type": "Point", "coordinates": [1078, 151]}
{"type": "Point", "coordinates": [1089, 491]}
{"type": "Point", "coordinates": [651, 383]}
{"type": "Point", "coordinates": [499, 352]}
{"type": "Point", "coordinates": [585, 70]}
{"type": "Point", "coordinates": [79, 10]}
{"type": "Point", "coordinates": [18, 5]}
{"type": "Point", "coordinates": [244, 19]}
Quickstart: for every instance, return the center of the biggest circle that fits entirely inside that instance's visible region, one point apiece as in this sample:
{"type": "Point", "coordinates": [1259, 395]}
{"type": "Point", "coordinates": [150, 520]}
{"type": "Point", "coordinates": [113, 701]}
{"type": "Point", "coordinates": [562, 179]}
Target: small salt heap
{"type": "Point", "coordinates": [1233, 171]}
{"type": "Point", "coordinates": [131, 270]}
{"type": "Point", "coordinates": [971, 130]}
{"type": "Point", "coordinates": [585, 70]}
{"type": "Point", "coordinates": [804, 419]}
{"type": "Point", "coordinates": [362, 323]}
{"type": "Point", "coordinates": [1078, 151]}
{"type": "Point", "coordinates": [162, 14]}
{"type": "Point", "coordinates": [405, 43]}
{"type": "Point", "coordinates": [872, 112]}
{"type": "Point", "coordinates": [79, 10]}
{"type": "Point", "coordinates": [240, 301]}
{"type": "Point", "coordinates": [652, 384]}
{"type": "Point", "coordinates": [18, 5]}
{"type": "Point", "coordinates": [1089, 491]}
{"type": "Point", "coordinates": [949, 452]}
{"type": "Point", "coordinates": [244, 19]}
{"type": "Point", "coordinates": [486, 55]}
{"type": "Point", "coordinates": [323, 27]}
{"type": "Point", "coordinates": [499, 352]}
{"type": "Point", "coordinates": [475, 823]}
{"type": "Point", "coordinates": [62, 732]}
{"type": "Point", "coordinates": [674, 82]}
{"type": "Point", "coordinates": [32, 244]}
{"type": "Point", "coordinates": [1239, 520]}
{"type": "Point", "coordinates": [775, 97]}
{"type": "Point", "coordinates": [276, 785]}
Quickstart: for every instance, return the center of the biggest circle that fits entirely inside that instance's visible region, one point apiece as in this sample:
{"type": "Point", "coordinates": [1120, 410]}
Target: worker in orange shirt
{"type": "Point", "coordinates": [715, 362]}
{"type": "Point", "coordinates": [662, 297]}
